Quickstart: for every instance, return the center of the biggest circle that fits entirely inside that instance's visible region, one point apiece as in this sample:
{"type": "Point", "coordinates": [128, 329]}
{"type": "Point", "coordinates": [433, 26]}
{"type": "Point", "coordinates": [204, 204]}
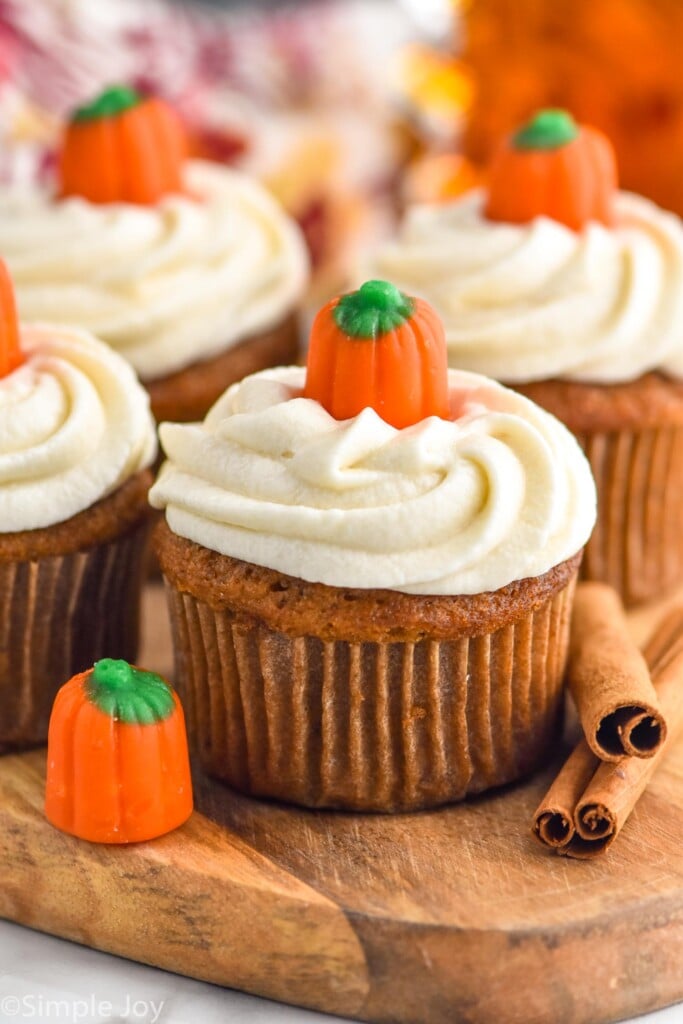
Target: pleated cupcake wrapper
{"type": "Point", "coordinates": [637, 544]}
{"type": "Point", "coordinates": [57, 616]}
{"type": "Point", "coordinates": [368, 726]}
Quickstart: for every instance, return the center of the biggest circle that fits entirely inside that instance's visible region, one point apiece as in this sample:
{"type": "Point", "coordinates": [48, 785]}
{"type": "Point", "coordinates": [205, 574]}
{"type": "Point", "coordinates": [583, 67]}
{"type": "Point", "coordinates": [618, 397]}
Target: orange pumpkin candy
{"type": "Point", "coordinates": [555, 168]}
{"type": "Point", "coordinates": [378, 348]}
{"type": "Point", "coordinates": [118, 766]}
{"type": "Point", "coordinates": [10, 352]}
{"type": "Point", "coordinates": [122, 147]}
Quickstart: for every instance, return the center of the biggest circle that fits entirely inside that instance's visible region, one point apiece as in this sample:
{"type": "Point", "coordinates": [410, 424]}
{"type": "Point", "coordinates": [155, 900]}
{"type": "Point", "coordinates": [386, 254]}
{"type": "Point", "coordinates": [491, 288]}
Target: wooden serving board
{"type": "Point", "coordinates": [446, 917]}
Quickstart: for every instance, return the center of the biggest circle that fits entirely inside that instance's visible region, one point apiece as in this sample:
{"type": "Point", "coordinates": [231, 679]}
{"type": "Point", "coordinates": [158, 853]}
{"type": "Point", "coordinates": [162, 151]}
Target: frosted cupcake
{"type": "Point", "coordinates": [76, 438]}
{"type": "Point", "coordinates": [189, 270]}
{"type": "Point", "coordinates": [555, 282]}
{"type": "Point", "coordinates": [370, 566]}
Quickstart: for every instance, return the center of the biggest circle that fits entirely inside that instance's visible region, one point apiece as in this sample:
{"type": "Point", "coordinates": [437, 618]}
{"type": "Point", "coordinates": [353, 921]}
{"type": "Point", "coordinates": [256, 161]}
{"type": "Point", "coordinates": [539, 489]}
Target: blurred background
{"type": "Point", "coordinates": [349, 109]}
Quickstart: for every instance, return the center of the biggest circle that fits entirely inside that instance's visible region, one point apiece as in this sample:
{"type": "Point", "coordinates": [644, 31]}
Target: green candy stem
{"type": "Point", "coordinates": [376, 308]}
{"type": "Point", "coordinates": [109, 103]}
{"type": "Point", "coordinates": [129, 694]}
{"type": "Point", "coordinates": [548, 129]}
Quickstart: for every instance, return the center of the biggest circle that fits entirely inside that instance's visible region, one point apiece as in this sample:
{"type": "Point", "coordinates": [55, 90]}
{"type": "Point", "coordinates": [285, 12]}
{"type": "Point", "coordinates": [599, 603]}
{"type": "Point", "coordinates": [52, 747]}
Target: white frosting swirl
{"type": "Point", "coordinates": [75, 424]}
{"type": "Point", "coordinates": [164, 285]}
{"type": "Point", "coordinates": [534, 301]}
{"type": "Point", "coordinates": [461, 506]}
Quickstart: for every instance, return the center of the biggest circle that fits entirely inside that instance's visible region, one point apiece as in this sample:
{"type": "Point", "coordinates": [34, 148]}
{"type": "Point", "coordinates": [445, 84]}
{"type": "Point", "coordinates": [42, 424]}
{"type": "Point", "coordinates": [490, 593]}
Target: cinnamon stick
{"type": "Point", "coordinates": [553, 823]}
{"type": "Point", "coordinates": [615, 789]}
{"type": "Point", "coordinates": [609, 679]}
{"type": "Point", "coordinates": [607, 792]}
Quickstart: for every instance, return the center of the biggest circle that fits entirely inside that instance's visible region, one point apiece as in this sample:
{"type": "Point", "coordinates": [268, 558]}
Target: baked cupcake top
{"type": "Point", "coordinates": [550, 272]}
{"type": "Point", "coordinates": [167, 274]}
{"type": "Point", "coordinates": [491, 490]}
{"type": "Point", "coordinates": [75, 423]}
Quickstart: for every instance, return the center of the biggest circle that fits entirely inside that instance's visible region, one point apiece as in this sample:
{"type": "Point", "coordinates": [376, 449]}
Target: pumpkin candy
{"type": "Point", "coordinates": [118, 767]}
{"type": "Point", "coordinates": [378, 348]}
{"type": "Point", "coordinates": [10, 352]}
{"type": "Point", "coordinates": [122, 147]}
{"type": "Point", "coordinates": [555, 168]}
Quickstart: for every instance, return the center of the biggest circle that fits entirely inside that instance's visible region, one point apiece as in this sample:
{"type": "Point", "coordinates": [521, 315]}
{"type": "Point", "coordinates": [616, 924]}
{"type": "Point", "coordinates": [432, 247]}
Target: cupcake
{"type": "Point", "coordinates": [370, 565]}
{"type": "Point", "coordinates": [558, 284]}
{"type": "Point", "coordinates": [188, 269]}
{"type": "Point", "coordinates": [76, 438]}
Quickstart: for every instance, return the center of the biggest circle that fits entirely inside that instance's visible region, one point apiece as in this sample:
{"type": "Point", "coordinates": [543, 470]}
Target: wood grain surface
{"type": "Point", "coordinates": [446, 917]}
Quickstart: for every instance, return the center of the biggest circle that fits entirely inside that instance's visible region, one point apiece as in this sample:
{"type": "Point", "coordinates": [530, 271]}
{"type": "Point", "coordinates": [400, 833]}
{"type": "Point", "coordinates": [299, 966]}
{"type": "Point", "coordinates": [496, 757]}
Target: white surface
{"type": "Point", "coordinates": [46, 979]}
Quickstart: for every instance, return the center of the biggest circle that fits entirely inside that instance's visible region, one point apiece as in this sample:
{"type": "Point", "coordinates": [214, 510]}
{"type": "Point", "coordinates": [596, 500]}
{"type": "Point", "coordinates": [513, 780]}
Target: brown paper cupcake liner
{"type": "Point", "coordinates": [58, 615]}
{"type": "Point", "coordinates": [632, 434]}
{"type": "Point", "coordinates": [637, 544]}
{"type": "Point", "coordinates": [371, 726]}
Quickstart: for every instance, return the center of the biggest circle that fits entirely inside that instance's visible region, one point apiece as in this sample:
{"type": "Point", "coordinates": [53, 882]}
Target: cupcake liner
{"type": "Point", "coordinates": [58, 615]}
{"type": "Point", "coordinates": [637, 544]}
{"type": "Point", "coordinates": [369, 726]}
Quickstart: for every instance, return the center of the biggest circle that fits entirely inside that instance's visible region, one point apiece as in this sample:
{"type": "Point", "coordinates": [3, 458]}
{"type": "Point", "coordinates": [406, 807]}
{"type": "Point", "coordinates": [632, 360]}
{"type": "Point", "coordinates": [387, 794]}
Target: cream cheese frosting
{"type": "Point", "coordinates": [164, 285]}
{"type": "Point", "coordinates": [498, 493]}
{"type": "Point", "coordinates": [75, 424]}
{"type": "Point", "coordinates": [526, 302]}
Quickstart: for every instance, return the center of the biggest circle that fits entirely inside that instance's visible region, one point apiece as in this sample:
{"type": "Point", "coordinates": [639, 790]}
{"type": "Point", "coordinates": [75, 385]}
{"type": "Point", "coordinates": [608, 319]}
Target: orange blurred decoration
{"type": "Point", "coordinates": [613, 63]}
{"type": "Point", "coordinates": [434, 81]}
{"type": "Point", "coordinates": [438, 178]}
